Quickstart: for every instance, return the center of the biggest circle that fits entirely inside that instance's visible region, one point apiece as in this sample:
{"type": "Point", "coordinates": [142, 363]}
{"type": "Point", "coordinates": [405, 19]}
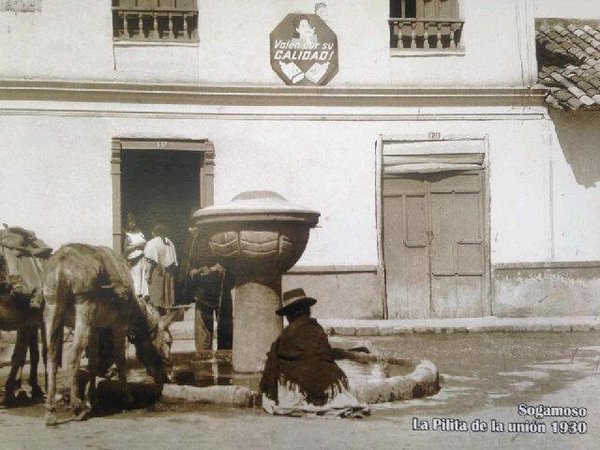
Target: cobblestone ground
{"type": "Point", "coordinates": [485, 377]}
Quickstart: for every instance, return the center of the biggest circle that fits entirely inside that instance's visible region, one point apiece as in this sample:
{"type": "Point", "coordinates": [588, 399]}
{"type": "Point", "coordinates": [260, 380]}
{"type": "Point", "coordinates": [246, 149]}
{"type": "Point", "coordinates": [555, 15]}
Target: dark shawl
{"type": "Point", "coordinates": [302, 357]}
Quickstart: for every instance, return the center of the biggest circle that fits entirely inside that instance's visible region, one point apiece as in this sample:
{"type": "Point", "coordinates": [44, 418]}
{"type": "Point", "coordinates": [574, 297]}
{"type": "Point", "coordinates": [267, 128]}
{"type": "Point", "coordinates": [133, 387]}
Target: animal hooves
{"type": "Point", "coordinates": [37, 394]}
{"type": "Point", "coordinates": [51, 419]}
{"type": "Point", "coordinates": [76, 405]}
{"type": "Point", "coordinates": [83, 414]}
{"type": "Point", "coordinates": [129, 400]}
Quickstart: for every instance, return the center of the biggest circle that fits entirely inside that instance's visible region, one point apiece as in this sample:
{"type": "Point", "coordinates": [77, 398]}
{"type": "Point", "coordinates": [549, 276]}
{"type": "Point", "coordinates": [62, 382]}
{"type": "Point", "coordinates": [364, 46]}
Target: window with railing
{"type": "Point", "coordinates": [155, 20]}
{"type": "Point", "coordinates": [425, 25]}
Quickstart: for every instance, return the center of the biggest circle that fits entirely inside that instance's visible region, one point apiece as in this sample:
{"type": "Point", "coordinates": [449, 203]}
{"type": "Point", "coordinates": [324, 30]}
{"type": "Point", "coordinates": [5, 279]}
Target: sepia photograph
{"type": "Point", "coordinates": [299, 224]}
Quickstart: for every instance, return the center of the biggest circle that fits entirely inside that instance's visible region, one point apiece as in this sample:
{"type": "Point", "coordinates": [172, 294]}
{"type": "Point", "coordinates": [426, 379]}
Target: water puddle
{"type": "Point", "coordinates": [534, 374]}
{"type": "Point", "coordinates": [564, 367]}
{"type": "Point", "coordinates": [448, 377]}
{"type": "Point", "coordinates": [592, 348]}
{"type": "Point", "coordinates": [498, 395]}
{"type": "Point", "coordinates": [521, 386]}
{"type": "Point", "coordinates": [217, 371]}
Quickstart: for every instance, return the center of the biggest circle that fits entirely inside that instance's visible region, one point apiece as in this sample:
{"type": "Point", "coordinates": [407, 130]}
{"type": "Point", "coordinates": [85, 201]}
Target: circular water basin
{"type": "Point", "coordinates": [218, 372]}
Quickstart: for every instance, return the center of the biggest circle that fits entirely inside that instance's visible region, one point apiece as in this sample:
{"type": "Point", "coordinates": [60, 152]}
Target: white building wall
{"type": "Point", "coordinates": [520, 211]}
{"type": "Point", "coordinates": [61, 186]}
{"type": "Point", "coordinates": [576, 185]}
{"type": "Point", "coordinates": [55, 177]}
{"type": "Point", "coordinates": [543, 172]}
{"type": "Point", "coordinates": [70, 39]}
{"type": "Point", "coordinates": [573, 9]}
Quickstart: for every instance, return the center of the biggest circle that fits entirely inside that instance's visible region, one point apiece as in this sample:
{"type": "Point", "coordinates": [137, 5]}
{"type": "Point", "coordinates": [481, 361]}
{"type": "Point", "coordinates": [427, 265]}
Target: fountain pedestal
{"type": "Point", "coordinates": [258, 235]}
{"type": "Point", "coordinates": [255, 325]}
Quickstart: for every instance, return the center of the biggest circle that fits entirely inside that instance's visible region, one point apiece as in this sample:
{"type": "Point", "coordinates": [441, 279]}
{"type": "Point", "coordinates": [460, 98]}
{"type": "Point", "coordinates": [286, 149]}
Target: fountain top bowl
{"type": "Point", "coordinates": [257, 206]}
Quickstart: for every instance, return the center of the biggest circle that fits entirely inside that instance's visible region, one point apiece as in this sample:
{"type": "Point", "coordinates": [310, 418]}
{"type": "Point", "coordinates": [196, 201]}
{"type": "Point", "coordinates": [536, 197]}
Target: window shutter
{"type": "Point", "coordinates": [430, 9]}
{"type": "Point", "coordinates": [448, 9]}
{"type": "Point", "coordinates": [437, 9]}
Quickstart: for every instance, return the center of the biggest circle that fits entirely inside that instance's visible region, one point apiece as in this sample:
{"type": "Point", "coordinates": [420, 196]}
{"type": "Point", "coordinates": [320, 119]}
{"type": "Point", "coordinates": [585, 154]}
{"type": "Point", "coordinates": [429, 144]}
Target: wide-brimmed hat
{"type": "Point", "coordinates": [293, 299]}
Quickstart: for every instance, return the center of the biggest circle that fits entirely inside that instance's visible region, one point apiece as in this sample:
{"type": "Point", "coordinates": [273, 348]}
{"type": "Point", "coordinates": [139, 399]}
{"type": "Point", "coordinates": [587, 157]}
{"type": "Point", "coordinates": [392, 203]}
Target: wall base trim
{"type": "Point", "coordinates": [332, 269]}
{"type": "Point", "coordinates": [547, 265]}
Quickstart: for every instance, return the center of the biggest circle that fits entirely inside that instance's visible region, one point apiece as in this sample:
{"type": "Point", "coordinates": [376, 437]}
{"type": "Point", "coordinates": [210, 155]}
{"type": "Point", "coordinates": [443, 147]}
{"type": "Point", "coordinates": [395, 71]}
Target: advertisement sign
{"type": "Point", "coordinates": [304, 50]}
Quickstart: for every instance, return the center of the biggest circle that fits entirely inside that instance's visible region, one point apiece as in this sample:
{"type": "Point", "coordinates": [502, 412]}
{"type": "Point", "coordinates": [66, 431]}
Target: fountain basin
{"type": "Point", "coordinates": [257, 231]}
{"type": "Point", "coordinates": [258, 235]}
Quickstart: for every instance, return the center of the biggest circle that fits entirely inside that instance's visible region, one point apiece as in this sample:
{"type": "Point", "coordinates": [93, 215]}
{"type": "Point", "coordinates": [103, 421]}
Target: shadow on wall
{"type": "Point", "coordinates": [578, 133]}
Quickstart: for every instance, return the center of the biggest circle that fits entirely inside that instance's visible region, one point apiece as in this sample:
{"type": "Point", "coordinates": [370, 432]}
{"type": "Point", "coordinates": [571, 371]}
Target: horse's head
{"type": "Point", "coordinates": [163, 339]}
{"type": "Point", "coordinates": [150, 334]}
{"type": "Point", "coordinates": [37, 301]}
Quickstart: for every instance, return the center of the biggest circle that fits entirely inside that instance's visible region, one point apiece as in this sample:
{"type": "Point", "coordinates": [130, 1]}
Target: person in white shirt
{"type": "Point", "coordinates": [134, 244]}
{"type": "Point", "coordinates": [161, 259]}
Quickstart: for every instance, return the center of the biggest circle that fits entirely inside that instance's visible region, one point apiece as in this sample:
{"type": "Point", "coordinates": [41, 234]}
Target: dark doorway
{"type": "Point", "coordinates": [161, 186]}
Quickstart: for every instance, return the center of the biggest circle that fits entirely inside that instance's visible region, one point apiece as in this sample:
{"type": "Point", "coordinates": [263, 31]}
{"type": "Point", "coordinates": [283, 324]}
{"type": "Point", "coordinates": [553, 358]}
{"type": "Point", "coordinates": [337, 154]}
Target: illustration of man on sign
{"type": "Point", "coordinates": [307, 38]}
{"type": "Point", "coordinates": [303, 50]}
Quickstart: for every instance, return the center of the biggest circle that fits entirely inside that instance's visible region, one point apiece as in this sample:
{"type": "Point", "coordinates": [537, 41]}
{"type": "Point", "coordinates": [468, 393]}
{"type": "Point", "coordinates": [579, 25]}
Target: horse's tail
{"type": "Point", "coordinates": [57, 320]}
{"type": "Point", "coordinates": [57, 293]}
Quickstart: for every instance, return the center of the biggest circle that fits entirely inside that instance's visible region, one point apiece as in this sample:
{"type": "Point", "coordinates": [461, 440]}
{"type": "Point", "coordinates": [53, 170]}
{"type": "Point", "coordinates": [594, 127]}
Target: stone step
{"type": "Point", "coordinates": [370, 327]}
{"type": "Point", "coordinates": [351, 327]}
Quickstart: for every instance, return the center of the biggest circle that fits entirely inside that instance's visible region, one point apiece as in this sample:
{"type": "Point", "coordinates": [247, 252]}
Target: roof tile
{"type": "Point", "coordinates": [595, 82]}
{"type": "Point", "coordinates": [587, 101]}
{"type": "Point", "coordinates": [569, 61]}
{"type": "Point", "coordinates": [562, 95]}
{"type": "Point", "coordinates": [574, 103]}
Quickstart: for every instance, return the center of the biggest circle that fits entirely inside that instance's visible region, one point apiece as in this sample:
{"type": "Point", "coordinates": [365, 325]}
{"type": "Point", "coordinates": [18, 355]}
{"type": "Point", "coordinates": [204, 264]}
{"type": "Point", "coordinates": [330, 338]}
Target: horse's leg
{"type": "Point", "coordinates": [19, 376]}
{"type": "Point", "coordinates": [93, 354]}
{"type": "Point", "coordinates": [17, 362]}
{"type": "Point", "coordinates": [54, 336]}
{"type": "Point", "coordinates": [119, 341]}
{"type": "Point", "coordinates": [34, 358]}
{"type": "Point", "coordinates": [84, 310]}
{"type": "Point", "coordinates": [42, 329]}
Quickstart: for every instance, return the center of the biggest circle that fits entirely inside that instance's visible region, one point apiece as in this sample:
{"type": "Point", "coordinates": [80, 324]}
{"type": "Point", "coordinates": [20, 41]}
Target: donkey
{"type": "Point", "coordinates": [90, 289]}
{"type": "Point", "coordinates": [18, 313]}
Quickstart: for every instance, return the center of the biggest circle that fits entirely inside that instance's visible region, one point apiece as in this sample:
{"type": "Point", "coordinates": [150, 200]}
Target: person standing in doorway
{"type": "Point", "coordinates": [161, 259]}
{"type": "Point", "coordinates": [134, 244]}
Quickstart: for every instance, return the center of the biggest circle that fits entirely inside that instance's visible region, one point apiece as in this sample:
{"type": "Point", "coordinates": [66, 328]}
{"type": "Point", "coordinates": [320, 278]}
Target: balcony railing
{"type": "Point", "coordinates": [442, 35]}
{"type": "Point", "coordinates": [155, 20]}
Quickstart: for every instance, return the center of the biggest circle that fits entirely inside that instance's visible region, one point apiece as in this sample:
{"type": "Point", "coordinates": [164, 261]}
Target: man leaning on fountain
{"type": "Point", "coordinates": [300, 375]}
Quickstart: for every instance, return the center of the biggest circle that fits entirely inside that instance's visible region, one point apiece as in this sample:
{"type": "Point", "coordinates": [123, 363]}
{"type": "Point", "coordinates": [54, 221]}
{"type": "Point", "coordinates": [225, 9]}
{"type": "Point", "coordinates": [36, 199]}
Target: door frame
{"type": "Point", "coordinates": [118, 145]}
{"type": "Point", "coordinates": [431, 144]}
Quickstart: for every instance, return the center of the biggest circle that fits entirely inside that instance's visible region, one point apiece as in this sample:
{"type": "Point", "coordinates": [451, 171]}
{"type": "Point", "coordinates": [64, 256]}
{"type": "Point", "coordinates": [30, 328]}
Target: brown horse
{"type": "Point", "coordinates": [90, 289]}
{"type": "Point", "coordinates": [20, 276]}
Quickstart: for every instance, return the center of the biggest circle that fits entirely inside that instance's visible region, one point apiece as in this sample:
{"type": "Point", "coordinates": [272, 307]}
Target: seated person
{"type": "Point", "coordinates": [300, 374]}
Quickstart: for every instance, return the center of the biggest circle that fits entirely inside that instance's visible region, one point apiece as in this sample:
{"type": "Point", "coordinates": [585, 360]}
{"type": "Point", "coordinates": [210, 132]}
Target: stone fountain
{"type": "Point", "coordinates": [259, 235]}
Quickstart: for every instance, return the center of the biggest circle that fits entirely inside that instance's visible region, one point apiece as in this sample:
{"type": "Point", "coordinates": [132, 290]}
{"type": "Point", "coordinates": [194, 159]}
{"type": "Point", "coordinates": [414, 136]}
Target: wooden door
{"type": "Point", "coordinates": [434, 245]}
